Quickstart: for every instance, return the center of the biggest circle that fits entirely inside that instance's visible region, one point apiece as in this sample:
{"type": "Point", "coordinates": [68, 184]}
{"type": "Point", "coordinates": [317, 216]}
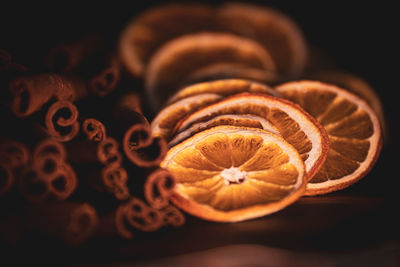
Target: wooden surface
{"type": "Point", "coordinates": [322, 228]}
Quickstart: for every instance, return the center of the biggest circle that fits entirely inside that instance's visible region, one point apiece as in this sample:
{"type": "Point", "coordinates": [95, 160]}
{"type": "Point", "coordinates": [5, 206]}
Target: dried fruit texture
{"type": "Point", "coordinates": [191, 98]}
{"type": "Point", "coordinates": [355, 85]}
{"type": "Point", "coordinates": [250, 121]}
{"type": "Point", "coordinates": [148, 32]}
{"type": "Point", "coordinates": [353, 129]}
{"type": "Point", "coordinates": [230, 174]}
{"type": "Point", "coordinates": [278, 33]}
{"type": "Point", "coordinates": [165, 121]}
{"type": "Point", "coordinates": [180, 57]}
{"type": "Point", "coordinates": [224, 87]}
{"type": "Point", "coordinates": [295, 125]}
{"type": "Point", "coordinates": [229, 70]}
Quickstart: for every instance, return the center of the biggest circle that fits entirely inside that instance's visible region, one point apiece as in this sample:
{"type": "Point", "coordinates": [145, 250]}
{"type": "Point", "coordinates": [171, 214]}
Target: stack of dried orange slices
{"type": "Point", "coordinates": [174, 45]}
{"type": "Point", "coordinates": [240, 149]}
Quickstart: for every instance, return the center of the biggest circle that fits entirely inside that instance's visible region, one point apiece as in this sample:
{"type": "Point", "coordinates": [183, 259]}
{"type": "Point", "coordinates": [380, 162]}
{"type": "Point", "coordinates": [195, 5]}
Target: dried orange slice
{"type": "Point", "coordinates": [223, 87]}
{"type": "Point", "coordinates": [231, 174]}
{"type": "Point", "coordinates": [356, 85]}
{"type": "Point", "coordinates": [147, 32]}
{"type": "Point", "coordinates": [295, 125]}
{"type": "Point", "coordinates": [229, 70]}
{"type": "Point", "coordinates": [181, 56]}
{"type": "Point", "coordinates": [166, 120]}
{"type": "Point", "coordinates": [250, 121]}
{"type": "Point", "coordinates": [353, 129]}
{"type": "Point", "coordinates": [277, 32]}
{"type": "Point", "coordinates": [193, 97]}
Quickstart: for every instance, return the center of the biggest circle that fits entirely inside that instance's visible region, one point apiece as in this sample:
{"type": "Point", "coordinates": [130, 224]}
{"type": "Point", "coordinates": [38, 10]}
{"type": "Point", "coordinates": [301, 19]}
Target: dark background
{"type": "Point", "coordinates": [358, 35]}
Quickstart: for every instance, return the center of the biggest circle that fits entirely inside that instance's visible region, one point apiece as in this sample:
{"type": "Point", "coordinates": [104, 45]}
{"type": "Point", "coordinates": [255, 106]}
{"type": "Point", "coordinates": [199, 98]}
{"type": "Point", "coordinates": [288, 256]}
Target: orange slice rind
{"type": "Point", "coordinates": [249, 121]}
{"type": "Point", "coordinates": [228, 70]}
{"type": "Point", "coordinates": [224, 87]}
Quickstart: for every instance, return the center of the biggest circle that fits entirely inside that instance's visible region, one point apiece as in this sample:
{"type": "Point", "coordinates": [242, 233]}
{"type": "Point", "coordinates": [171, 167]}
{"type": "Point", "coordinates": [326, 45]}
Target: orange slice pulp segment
{"type": "Point", "coordinates": [357, 86]}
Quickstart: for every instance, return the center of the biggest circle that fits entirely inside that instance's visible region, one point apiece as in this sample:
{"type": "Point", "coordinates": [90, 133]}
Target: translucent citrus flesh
{"type": "Point", "coordinates": [347, 127]}
{"type": "Point", "coordinates": [235, 169]}
{"type": "Point", "coordinates": [355, 85]}
{"type": "Point", "coordinates": [295, 127]}
{"type": "Point", "coordinates": [351, 125]}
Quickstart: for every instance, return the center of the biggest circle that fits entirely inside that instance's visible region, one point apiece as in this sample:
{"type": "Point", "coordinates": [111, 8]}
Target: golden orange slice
{"type": "Point", "coordinates": [224, 87]}
{"type": "Point", "coordinates": [230, 174]}
{"type": "Point", "coordinates": [353, 129]}
{"type": "Point", "coordinates": [276, 31]}
{"type": "Point", "coordinates": [178, 58]}
{"type": "Point", "coordinates": [356, 85]}
{"type": "Point", "coordinates": [295, 125]}
{"type": "Point", "coordinates": [166, 120]}
{"type": "Point", "coordinates": [147, 32]}
{"type": "Point", "coordinates": [250, 121]}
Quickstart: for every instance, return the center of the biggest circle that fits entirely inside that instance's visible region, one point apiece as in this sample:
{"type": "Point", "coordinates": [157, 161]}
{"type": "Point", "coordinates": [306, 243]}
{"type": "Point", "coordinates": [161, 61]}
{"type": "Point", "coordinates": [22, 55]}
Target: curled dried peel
{"type": "Point", "coordinates": [229, 173]}
{"type": "Point", "coordinates": [295, 125]}
{"type": "Point", "coordinates": [353, 129]}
